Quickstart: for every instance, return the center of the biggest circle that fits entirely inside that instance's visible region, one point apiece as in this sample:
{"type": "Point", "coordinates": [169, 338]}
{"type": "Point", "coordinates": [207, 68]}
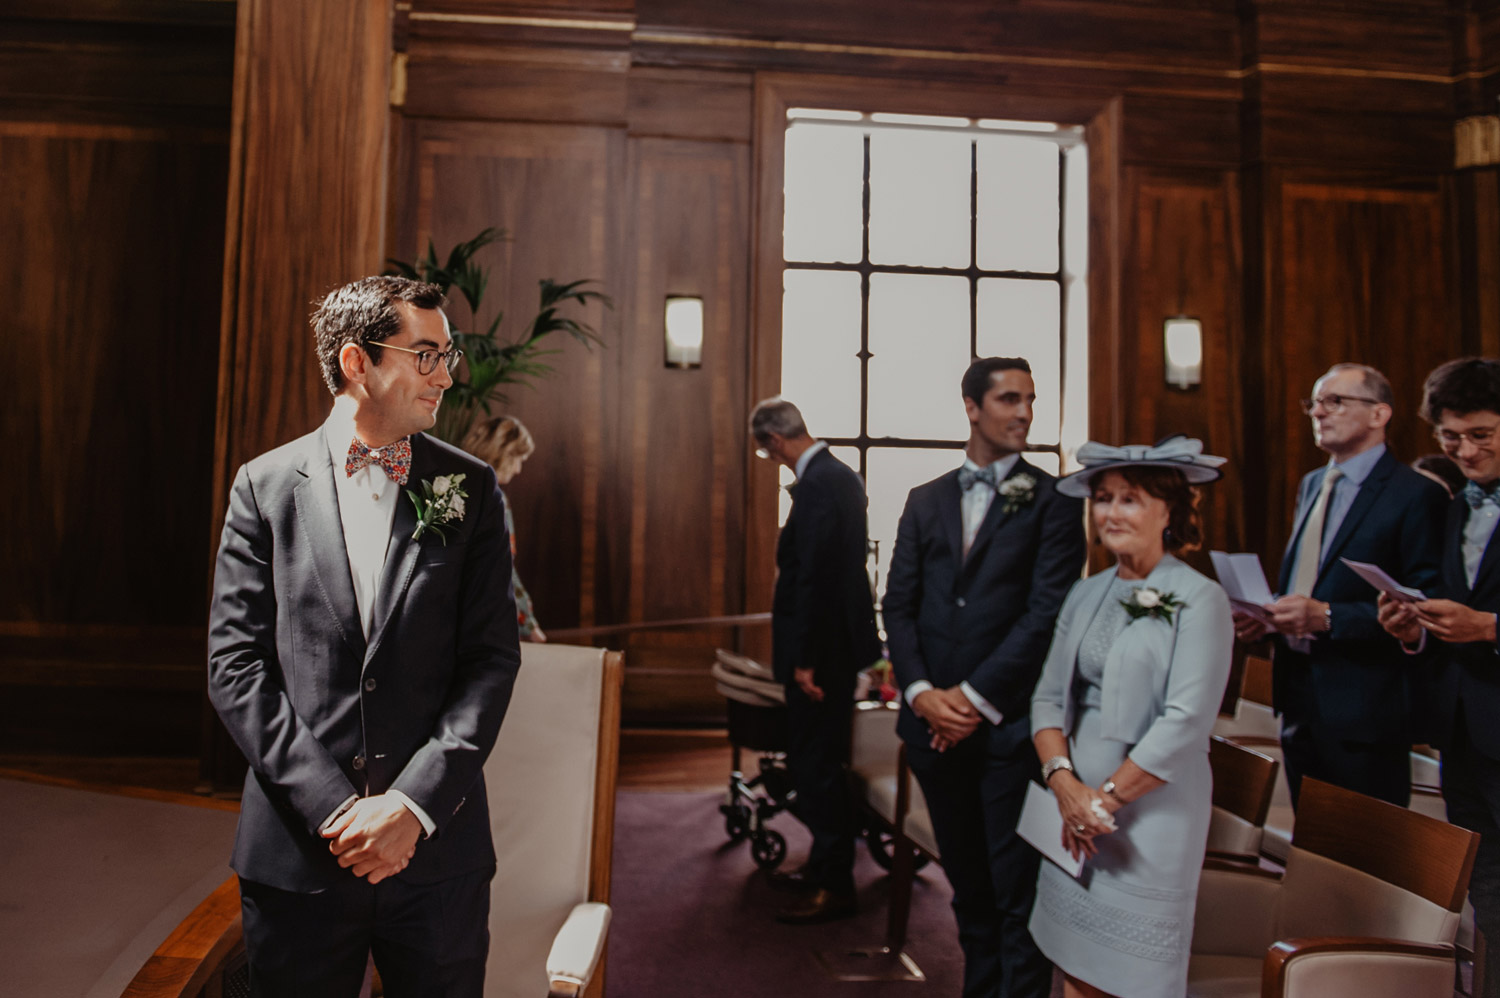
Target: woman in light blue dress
{"type": "Point", "coordinates": [1121, 719]}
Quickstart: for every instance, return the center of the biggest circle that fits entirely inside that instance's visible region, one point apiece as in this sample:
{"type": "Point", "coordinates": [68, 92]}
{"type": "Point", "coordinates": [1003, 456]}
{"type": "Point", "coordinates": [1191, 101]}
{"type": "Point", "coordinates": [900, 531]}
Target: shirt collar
{"type": "Point", "coordinates": [1358, 467]}
{"type": "Point", "coordinates": [807, 456]}
{"type": "Point", "coordinates": [1003, 467]}
{"type": "Point", "coordinates": [338, 429]}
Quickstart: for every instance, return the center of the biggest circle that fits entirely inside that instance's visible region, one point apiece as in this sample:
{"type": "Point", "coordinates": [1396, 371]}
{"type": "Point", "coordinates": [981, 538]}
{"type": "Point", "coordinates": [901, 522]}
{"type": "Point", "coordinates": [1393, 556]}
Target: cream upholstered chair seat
{"type": "Point", "coordinates": [551, 781]}
{"type": "Point", "coordinates": [878, 773]}
{"type": "Point", "coordinates": [1368, 908]}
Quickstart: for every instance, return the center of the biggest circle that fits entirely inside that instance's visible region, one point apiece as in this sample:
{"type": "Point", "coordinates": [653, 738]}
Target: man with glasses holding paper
{"type": "Point", "coordinates": [1462, 401]}
{"type": "Point", "coordinates": [1340, 683]}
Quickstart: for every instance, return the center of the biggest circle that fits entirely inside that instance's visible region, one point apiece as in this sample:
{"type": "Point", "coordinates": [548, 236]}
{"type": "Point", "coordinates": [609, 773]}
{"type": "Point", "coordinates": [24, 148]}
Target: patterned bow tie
{"type": "Point", "coordinates": [1477, 495]}
{"type": "Point", "coordinates": [393, 459]}
{"type": "Point", "coordinates": [969, 477]}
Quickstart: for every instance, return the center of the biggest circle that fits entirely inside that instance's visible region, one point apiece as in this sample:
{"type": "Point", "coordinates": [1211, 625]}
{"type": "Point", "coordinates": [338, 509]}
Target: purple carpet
{"type": "Point", "coordinates": [693, 916]}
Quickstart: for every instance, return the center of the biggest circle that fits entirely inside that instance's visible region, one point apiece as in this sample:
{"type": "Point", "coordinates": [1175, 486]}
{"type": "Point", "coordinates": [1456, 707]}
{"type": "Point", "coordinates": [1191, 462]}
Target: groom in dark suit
{"type": "Point", "coordinates": [362, 654]}
{"type": "Point", "coordinates": [823, 633]}
{"type": "Point", "coordinates": [984, 556]}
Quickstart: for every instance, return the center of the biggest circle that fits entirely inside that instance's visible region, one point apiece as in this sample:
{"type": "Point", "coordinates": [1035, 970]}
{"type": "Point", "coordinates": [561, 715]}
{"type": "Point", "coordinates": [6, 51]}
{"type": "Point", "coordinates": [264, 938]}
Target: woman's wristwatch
{"type": "Point", "coordinates": [1052, 765]}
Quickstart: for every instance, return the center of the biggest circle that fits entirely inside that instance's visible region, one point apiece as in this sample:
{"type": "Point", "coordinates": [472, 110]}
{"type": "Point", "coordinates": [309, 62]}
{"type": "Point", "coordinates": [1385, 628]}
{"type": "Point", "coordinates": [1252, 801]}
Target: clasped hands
{"type": "Point", "coordinates": [1294, 616]}
{"type": "Point", "coordinates": [1076, 802]}
{"type": "Point", "coordinates": [1451, 621]}
{"type": "Point", "coordinates": [950, 715]}
{"type": "Point", "coordinates": [375, 838]}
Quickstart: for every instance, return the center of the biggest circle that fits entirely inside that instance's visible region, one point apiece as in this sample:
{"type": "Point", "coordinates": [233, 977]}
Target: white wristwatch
{"type": "Point", "coordinates": [1053, 764]}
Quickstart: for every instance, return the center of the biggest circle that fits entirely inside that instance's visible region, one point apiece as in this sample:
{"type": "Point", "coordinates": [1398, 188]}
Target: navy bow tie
{"type": "Point", "coordinates": [1477, 495]}
{"type": "Point", "coordinates": [969, 477]}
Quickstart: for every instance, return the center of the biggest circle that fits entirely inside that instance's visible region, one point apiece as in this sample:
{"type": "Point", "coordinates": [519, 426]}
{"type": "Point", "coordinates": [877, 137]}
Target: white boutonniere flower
{"type": "Point", "coordinates": [1016, 492]}
{"type": "Point", "coordinates": [1147, 602]}
{"type": "Point", "coordinates": [440, 502]}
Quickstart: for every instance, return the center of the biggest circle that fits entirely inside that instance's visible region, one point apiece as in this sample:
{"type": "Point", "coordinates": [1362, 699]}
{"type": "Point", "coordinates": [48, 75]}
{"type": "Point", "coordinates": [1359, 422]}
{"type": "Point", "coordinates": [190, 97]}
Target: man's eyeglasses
{"type": "Point", "coordinates": [427, 360]}
{"type": "Point", "coordinates": [1481, 437]}
{"type": "Point", "coordinates": [1334, 403]}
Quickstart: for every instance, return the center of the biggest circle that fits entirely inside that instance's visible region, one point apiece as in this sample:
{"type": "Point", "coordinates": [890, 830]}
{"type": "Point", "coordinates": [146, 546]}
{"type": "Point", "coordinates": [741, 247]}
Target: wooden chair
{"type": "Point", "coordinates": [1368, 907]}
{"type": "Point", "coordinates": [1244, 780]}
{"type": "Point", "coordinates": [551, 782]}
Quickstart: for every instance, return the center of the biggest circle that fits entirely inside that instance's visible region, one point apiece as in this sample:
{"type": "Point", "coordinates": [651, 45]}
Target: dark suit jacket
{"type": "Point", "coordinates": [1357, 673]}
{"type": "Point", "coordinates": [1465, 673]}
{"type": "Point", "coordinates": [823, 613]}
{"type": "Point", "coordinates": [987, 619]}
{"type": "Point", "coordinates": [319, 712]}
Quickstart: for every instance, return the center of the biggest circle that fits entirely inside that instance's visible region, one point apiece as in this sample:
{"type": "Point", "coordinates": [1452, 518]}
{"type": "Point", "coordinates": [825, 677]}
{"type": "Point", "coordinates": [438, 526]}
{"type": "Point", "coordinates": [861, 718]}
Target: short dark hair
{"type": "Point", "coordinates": [364, 313]}
{"type": "Point", "coordinates": [1376, 385]}
{"type": "Point", "coordinates": [1184, 525]}
{"type": "Point", "coordinates": [977, 378]}
{"type": "Point", "coordinates": [1469, 384]}
{"type": "Point", "coordinates": [776, 415]}
{"type": "Point", "coordinates": [1441, 466]}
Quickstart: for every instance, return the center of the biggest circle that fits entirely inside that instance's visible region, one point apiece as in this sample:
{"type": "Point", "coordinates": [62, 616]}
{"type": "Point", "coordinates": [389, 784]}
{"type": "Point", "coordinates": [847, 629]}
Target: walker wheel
{"type": "Point", "coordinates": [882, 846]}
{"type": "Point", "coordinates": [768, 849]}
{"type": "Point", "coordinates": [736, 821]}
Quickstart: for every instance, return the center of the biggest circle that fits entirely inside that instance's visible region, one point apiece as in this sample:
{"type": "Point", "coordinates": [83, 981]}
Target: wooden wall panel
{"type": "Point", "coordinates": [1184, 258]}
{"type": "Point", "coordinates": [686, 438]}
{"type": "Point", "coordinates": [553, 189]}
{"type": "Point", "coordinates": [1362, 273]}
{"type": "Point", "coordinates": [114, 150]}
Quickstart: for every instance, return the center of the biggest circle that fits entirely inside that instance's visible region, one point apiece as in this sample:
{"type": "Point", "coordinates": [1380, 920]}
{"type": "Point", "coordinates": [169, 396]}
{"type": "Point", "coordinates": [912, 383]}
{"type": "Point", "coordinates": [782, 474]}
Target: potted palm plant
{"type": "Point", "coordinates": [489, 364]}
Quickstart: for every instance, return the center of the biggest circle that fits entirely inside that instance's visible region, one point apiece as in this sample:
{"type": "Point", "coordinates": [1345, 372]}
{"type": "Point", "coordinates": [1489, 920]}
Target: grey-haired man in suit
{"type": "Point", "coordinates": [362, 654]}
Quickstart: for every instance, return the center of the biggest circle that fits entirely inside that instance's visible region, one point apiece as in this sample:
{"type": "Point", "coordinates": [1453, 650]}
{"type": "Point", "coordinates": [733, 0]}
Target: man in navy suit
{"type": "Point", "coordinates": [984, 556]}
{"type": "Point", "coordinates": [822, 633]}
{"type": "Point", "coordinates": [362, 655]}
{"type": "Point", "coordinates": [1341, 684]}
{"type": "Point", "coordinates": [1462, 401]}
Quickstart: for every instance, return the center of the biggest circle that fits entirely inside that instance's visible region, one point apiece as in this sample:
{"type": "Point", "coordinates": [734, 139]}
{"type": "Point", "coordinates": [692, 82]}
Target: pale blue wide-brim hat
{"type": "Point", "coordinates": [1177, 451]}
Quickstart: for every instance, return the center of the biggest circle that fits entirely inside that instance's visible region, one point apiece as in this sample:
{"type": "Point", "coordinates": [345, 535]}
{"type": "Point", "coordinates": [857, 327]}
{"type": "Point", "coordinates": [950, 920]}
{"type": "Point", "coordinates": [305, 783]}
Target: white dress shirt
{"type": "Point", "coordinates": [974, 506]}
{"type": "Point", "coordinates": [367, 508]}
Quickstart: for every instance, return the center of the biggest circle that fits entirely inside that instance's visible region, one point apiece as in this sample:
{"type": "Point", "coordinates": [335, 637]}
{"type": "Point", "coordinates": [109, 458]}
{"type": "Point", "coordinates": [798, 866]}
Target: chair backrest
{"type": "Point", "coordinates": [1256, 685]}
{"type": "Point", "coordinates": [874, 742]}
{"type": "Point", "coordinates": [1359, 866]}
{"type": "Point", "coordinates": [1243, 782]}
{"type": "Point", "coordinates": [551, 782]}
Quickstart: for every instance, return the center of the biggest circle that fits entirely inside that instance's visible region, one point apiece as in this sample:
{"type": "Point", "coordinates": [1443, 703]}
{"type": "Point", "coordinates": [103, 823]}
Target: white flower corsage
{"type": "Point", "coordinates": [1017, 491]}
{"type": "Point", "coordinates": [440, 502]}
{"type": "Point", "coordinates": [1147, 602]}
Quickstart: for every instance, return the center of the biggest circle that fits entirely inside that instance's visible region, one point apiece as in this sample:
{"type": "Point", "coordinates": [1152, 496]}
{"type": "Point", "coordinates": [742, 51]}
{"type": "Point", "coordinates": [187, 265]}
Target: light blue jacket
{"type": "Point", "coordinates": [1163, 682]}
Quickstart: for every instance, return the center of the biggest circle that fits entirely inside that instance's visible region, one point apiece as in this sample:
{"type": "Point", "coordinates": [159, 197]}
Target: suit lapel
{"type": "Point", "coordinates": [317, 503]}
{"type": "Point", "coordinates": [1364, 500]}
{"type": "Point", "coordinates": [1310, 486]}
{"type": "Point", "coordinates": [996, 514]}
{"type": "Point", "coordinates": [950, 512]}
{"type": "Point", "coordinates": [401, 556]}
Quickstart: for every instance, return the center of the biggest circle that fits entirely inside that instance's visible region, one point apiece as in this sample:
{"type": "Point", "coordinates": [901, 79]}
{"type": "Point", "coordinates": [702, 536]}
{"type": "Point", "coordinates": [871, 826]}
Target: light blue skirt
{"type": "Point", "coordinates": [1126, 925]}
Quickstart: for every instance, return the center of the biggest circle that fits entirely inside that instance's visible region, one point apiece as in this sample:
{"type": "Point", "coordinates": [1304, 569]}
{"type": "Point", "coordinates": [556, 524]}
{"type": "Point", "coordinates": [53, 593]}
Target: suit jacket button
{"type": "Point", "coordinates": [359, 762]}
{"type": "Point", "coordinates": [370, 685]}
{"type": "Point", "coordinates": [962, 602]}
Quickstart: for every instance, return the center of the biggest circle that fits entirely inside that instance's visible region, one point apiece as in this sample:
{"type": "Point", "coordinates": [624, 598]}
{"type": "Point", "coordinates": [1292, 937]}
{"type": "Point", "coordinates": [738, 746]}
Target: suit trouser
{"type": "Point", "coordinates": [974, 793]}
{"type": "Point", "coordinates": [1376, 769]}
{"type": "Point", "coordinates": [428, 940]}
{"type": "Point", "coordinates": [1471, 789]}
{"type": "Point", "coordinates": [817, 753]}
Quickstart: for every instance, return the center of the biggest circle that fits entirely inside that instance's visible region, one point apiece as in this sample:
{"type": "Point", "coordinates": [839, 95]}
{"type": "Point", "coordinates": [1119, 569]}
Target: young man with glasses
{"type": "Point", "coordinates": [363, 665]}
{"type": "Point", "coordinates": [1455, 631]}
{"type": "Point", "coordinates": [1340, 683]}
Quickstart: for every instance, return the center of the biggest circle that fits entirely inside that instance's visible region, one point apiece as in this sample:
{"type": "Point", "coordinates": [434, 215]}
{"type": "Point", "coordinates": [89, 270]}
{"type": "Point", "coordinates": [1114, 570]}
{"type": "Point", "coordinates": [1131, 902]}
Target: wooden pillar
{"type": "Point", "coordinates": [306, 213]}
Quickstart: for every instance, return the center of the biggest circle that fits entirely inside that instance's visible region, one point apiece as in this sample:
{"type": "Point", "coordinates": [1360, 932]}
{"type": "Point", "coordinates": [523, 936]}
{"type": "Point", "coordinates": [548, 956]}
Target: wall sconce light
{"type": "Point", "coordinates": [684, 324]}
{"type": "Point", "coordinates": [1183, 340]}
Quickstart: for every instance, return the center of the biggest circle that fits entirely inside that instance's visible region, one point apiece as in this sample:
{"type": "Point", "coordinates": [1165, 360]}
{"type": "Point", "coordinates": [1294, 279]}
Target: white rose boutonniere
{"type": "Point", "coordinates": [1016, 492]}
{"type": "Point", "coordinates": [440, 502]}
{"type": "Point", "coordinates": [1147, 602]}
